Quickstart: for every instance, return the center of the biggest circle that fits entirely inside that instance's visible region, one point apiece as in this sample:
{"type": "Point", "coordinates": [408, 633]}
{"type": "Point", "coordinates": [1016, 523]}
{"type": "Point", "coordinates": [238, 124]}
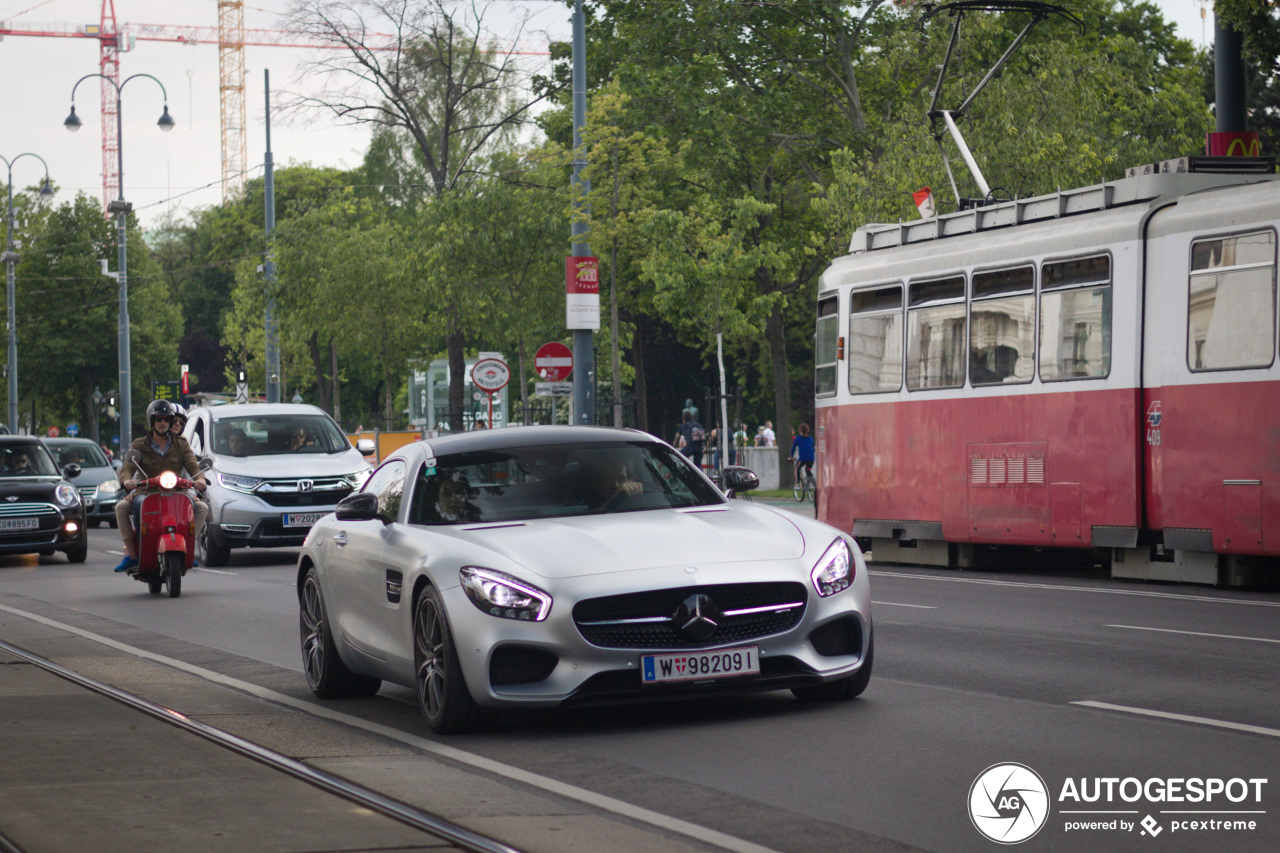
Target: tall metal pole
{"type": "Point", "coordinates": [11, 259]}
{"type": "Point", "coordinates": [269, 268]}
{"type": "Point", "coordinates": [1228, 75]}
{"type": "Point", "coordinates": [121, 209]}
{"type": "Point", "coordinates": [584, 363]}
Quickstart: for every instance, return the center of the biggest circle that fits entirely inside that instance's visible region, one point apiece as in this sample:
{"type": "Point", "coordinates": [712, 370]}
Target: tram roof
{"type": "Point", "coordinates": [1143, 184]}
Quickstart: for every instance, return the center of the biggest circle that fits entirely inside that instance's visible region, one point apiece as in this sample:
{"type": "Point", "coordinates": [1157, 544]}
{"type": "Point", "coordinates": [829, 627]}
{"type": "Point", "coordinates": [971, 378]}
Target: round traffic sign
{"type": "Point", "coordinates": [553, 362]}
{"type": "Point", "coordinates": [490, 375]}
{"type": "Point", "coordinates": [53, 432]}
{"type": "Point", "coordinates": [73, 429]}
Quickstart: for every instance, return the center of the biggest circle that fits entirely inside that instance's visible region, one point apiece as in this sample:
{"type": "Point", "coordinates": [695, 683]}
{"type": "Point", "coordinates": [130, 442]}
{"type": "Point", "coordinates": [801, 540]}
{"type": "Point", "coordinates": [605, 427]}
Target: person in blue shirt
{"type": "Point", "coordinates": [802, 451]}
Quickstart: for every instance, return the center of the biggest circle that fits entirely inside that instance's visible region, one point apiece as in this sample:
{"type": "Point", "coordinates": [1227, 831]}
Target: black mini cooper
{"type": "Point", "coordinates": [40, 512]}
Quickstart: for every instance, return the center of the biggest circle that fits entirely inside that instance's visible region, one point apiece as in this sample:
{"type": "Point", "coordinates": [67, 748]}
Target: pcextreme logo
{"type": "Point", "coordinates": [1009, 803]}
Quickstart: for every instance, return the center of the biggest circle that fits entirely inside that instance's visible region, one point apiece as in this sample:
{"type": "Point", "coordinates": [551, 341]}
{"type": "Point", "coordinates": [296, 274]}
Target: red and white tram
{"type": "Point", "coordinates": [1095, 368]}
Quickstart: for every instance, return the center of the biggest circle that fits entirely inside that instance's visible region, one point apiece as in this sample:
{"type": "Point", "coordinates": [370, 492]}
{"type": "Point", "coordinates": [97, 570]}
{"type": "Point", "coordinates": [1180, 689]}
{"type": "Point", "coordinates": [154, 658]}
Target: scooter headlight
{"type": "Point", "coordinates": [168, 480]}
{"type": "Point", "coordinates": [67, 494]}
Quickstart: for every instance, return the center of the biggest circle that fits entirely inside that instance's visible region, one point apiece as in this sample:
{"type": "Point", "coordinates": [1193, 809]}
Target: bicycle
{"type": "Point", "coordinates": [805, 485]}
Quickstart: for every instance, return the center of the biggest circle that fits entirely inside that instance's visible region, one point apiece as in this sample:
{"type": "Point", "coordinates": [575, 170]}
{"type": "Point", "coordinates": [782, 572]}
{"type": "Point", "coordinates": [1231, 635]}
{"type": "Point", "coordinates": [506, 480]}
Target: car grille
{"type": "Point", "coordinates": [324, 492]}
{"type": "Point", "coordinates": [87, 494]}
{"type": "Point", "coordinates": [18, 510]}
{"type": "Point", "coordinates": [644, 620]}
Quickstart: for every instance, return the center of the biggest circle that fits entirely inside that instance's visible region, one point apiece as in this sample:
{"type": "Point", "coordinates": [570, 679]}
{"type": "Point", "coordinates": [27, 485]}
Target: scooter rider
{"type": "Point", "coordinates": [160, 451]}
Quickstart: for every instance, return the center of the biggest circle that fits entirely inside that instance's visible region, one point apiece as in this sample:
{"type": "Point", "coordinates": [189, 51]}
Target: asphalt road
{"type": "Point", "coordinates": [971, 670]}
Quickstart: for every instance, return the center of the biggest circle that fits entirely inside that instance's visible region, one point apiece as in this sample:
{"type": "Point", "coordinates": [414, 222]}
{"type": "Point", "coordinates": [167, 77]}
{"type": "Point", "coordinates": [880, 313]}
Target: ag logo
{"type": "Point", "coordinates": [1008, 803]}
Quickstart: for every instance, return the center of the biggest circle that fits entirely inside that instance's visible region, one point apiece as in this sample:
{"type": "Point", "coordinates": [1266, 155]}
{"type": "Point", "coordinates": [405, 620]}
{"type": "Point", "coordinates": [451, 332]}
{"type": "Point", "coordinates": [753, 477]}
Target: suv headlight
{"type": "Point", "coordinates": [501, 595]}
{"type": "Point", "coordinates": [359, 478]}
{"type": "Point", "coordinates": [834, 571]}
{"type": "Point", "coordinates": [108, 488]}
{"type": "Point", "coordinates": [236, 483]}
{"type": "Point", "coordinates": [67, 494]}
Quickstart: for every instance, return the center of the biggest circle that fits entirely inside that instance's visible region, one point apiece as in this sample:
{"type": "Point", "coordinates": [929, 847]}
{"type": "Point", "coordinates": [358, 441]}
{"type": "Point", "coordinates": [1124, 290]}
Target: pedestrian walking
{"type": "Point", "coordinates": [694, 436]}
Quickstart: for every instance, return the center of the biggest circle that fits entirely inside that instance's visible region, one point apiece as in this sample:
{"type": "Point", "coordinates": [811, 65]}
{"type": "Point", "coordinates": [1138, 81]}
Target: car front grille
{"type": "Point", "coordinates": [26, 510]}
{"type": "Point", "coordinates": [647, 620]}
{"type": "Point", "coordinates": [324, 492]}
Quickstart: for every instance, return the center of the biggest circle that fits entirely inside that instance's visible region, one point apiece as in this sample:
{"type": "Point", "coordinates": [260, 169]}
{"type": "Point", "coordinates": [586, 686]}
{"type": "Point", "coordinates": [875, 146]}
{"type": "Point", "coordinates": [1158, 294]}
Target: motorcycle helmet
{"type": "Point", "coordinates": [179, 418]}
{"type": "Point", "coordinates": [159, 409]}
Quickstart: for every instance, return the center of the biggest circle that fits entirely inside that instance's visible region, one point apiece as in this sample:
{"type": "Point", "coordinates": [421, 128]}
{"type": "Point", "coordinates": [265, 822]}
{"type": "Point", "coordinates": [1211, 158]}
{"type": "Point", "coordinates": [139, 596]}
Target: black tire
{"type": "Point", "coordinates": [93, 522]}
{"type": "Point", "coordinates": [154, 587]}
{"type": "Point", "coordinates": [327, 675]}
{"type": "Point", "coordinates": [797, 490]}
{"type": "Point", "coordinates": [172, 572]}
{"type": "Point", "coordinates": [442, 690]}
{"type": "Point", "coordinates": [78, 552]}
{"type": "Point", "coordinates": [845, 688]}
{"type": "Point", "coordinates": [111, 522]}
{"type": "Point", "coordinates": [211, 553]}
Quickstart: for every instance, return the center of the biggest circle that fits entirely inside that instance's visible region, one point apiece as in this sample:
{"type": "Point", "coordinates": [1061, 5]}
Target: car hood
{"type": "Point", "coordinates": [286, 465]}
{"type": "Point", "coordinates": [28, 488]}
{"type": "Point", "coordinates": [622, 542]}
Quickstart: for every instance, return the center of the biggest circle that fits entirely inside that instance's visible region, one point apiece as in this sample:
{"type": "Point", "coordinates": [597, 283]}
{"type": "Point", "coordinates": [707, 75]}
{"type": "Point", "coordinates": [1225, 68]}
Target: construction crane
{"type": "Point", "coordinates": [232, 38]}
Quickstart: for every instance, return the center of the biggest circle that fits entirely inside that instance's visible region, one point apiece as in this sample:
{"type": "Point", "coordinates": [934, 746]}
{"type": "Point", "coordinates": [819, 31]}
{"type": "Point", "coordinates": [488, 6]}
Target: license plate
{"type": "Point", "coordinates": [302, 519]}
{"type": "Point", "coordinates": [19, 524]}
{"type": "Point", "coordinates": [697, 666]}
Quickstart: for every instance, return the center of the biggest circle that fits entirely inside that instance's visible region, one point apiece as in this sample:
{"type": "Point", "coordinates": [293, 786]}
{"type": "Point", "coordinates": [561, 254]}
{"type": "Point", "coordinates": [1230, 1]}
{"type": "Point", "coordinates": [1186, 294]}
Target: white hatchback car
{"type": "Point", "coordinates": [277, 469]}
{"type": "Point", "coordinates": [546, 566]}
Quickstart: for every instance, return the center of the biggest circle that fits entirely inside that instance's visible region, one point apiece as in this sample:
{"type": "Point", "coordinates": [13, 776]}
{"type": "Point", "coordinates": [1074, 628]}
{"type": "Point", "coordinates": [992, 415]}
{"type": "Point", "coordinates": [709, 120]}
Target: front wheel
{"type": "Point", "coordinates": [797, 491]}
{"type": "Point", "coordinates": [327, 675]}
{"type": "Point", "coordinates": [172, 572]}
{"type": "Point", "coordinates": [78, 552]}
{"type": "Point", "coordinates": [211, 553]}
{"type": "Point", "coordinates": [442, 690]}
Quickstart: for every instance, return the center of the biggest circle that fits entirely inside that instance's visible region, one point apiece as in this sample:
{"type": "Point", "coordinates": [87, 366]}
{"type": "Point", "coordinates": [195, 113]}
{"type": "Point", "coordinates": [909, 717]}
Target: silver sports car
{"type": "Point", "coordinates": [547, 566]}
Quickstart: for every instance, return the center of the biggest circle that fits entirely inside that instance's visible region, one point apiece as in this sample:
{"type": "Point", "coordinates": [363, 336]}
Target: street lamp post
{"type": "Point", "coordinates": [121, 209]}
{"type": "Point", "coordinates": [11, 258]}
{"type": "Point", "coordinates": [97, 401]}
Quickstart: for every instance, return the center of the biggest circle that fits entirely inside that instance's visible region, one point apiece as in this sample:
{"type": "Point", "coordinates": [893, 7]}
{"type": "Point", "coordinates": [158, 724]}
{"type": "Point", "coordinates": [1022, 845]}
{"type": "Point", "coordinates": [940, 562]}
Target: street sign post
{"type": "Point", "coordinates": [553, 362]}
{"type": "Point", "coordinates": [73, 430]}
{"type": "Point", "coordinates": [490, 375]}
{"type": "Point", "coordinates": [553, 389]}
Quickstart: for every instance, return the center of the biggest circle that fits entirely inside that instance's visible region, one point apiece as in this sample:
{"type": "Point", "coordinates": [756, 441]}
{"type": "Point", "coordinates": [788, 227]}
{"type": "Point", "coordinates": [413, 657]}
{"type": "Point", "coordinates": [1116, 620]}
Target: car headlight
{"type": "Point", "coordinates": [67, 494]}
{"type": "Point", "coordinates": [236, 483]}
{"type": "Point", "coordinates": [359, 478]}
{"type": "Point", "coordinates": [501, 595]}
{"type": "Point", "coordinates": [834, 571]}
{"type": "Point", "coordinates": [109, 488]}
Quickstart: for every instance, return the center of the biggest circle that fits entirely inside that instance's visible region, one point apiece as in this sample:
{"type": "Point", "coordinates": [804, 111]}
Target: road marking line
{"type": "Point", "coordinates": [1226, 811]}
{"type": "Point", "coordinates": [1184, 718]}
{"type": "Point", "coordinates": [1202, 598]}
{"type": "Point", "coordinates": [899, 604]}
{"type": "Point", "coordinates": [219, 572]}
{"type": "Point", "coordinates": [114, 553]}
{"type": "Point", "coordinates": [1095, 811]}
{"type": "Point", "coordinates": [1195, 633]}
{"type": "Point", "coordinates": [562, 789]}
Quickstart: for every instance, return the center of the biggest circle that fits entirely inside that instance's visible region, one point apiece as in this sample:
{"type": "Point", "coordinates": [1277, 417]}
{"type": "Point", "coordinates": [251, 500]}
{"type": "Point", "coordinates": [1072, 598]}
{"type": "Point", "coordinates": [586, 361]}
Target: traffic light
{"type": "Point", "coordinates": [242, 376]}
{"type": "Point", "coordinates": [111, 399]}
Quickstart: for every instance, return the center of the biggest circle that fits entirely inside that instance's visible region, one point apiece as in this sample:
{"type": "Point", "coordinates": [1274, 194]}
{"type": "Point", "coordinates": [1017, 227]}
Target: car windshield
{"type": "Point", "coordinates": [84, 455]}
{"type": "Point", "coordinates": [265, 435]}
{"type": "Point", "coordinates": [550, 481]}
{"type": "Point", "coordinates": [26, 460]}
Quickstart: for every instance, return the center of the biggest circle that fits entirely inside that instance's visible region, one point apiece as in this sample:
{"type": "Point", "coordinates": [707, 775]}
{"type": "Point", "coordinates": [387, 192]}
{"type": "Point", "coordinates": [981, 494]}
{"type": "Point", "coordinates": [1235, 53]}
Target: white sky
{"type": "Point", "coordinates": [40, 73]}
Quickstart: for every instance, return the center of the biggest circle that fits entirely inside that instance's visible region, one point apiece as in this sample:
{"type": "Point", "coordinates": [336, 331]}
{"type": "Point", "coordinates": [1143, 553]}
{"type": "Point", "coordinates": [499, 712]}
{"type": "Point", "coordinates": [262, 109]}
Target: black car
{"type": "Point", "coordinates": [40, 512]}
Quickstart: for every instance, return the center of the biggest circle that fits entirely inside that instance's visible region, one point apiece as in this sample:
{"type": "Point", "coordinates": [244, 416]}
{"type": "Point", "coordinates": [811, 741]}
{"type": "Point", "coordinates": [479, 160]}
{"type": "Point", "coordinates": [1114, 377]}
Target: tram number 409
{"type": "Point", "coordinates": [1153, 437]}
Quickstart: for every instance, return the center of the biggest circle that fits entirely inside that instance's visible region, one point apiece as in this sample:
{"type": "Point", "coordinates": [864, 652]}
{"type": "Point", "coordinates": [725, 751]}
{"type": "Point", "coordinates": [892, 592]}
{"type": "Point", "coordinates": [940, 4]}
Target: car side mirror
{"type": "Point", "coordinates": [361, 506]}
{"type": "Point", "coordinates": [71, 471]}
{"type": "Point", "coordinates": [366, 446]}
{"type": "Point", "coordinates": [739, 479]}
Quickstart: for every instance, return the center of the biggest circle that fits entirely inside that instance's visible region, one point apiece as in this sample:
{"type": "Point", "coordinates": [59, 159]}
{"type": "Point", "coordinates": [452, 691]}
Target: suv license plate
{"type": "Point", "coordinates": [19, 524]}
{"type": "Point", "coordinates": [302, 519]}
{"type": "Point", "coordinates": [696, 666]}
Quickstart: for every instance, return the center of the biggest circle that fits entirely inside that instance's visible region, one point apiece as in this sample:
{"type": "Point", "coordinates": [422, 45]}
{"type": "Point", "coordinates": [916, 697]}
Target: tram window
{"type": "Point", "coordinates": [826, 346]}
{"type": "Point", "coordinates": [1002, 330]}
{"type": "Point", "coordinates": [1075, 319]}
{"type": "Point", "coordinates": [1232, 302]}
{"type": "Point", "coordinates": [935, 334]}
{"type": "Point", "coordinates": [874, 347]}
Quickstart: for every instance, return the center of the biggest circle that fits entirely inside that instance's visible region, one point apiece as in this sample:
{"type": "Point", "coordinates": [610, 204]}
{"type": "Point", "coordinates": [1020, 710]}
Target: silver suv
{"type": "Point", "coordinates": [277, 468]}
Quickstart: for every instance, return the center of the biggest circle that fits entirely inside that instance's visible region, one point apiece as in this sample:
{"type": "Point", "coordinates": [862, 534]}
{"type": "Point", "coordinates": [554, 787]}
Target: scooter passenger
{"type": "Point", "coordinates": [159, 451]}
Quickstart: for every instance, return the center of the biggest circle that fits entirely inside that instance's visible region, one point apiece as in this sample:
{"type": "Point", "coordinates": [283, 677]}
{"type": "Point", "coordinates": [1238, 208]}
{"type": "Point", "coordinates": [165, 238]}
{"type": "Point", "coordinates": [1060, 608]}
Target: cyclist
{"type": "Point", "coordinates": [802, 452]}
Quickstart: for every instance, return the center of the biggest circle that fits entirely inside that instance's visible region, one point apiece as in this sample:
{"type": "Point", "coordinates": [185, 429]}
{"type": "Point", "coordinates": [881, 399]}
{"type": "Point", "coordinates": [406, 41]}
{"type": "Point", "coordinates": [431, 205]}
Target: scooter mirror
{"type": "Point", "coordinates": [206, 463]}
{"type": "Point", "coordinates": [133, 456]}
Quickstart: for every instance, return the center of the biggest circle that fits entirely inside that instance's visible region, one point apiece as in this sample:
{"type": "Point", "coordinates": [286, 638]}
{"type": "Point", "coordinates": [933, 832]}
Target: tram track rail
{"type": "Point", "coordinates": [358, 794]}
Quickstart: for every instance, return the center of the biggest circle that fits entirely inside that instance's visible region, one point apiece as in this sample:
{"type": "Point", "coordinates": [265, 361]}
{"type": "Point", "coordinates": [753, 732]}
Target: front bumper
{"type": "Point", "coordinates": [52, 533]}
{"type": "Point", "coordinates": [237, 520]}
{"type": "Point", "coordinates": [585, 674]}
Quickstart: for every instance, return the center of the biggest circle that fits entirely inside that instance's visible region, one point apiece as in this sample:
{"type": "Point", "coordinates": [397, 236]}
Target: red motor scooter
{"type": "Point", "coordinates": [163, 523]}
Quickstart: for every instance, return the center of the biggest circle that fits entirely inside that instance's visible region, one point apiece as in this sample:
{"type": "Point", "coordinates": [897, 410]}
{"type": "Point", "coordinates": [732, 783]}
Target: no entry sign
{"type": "Point", "coordinates": [553, 362]}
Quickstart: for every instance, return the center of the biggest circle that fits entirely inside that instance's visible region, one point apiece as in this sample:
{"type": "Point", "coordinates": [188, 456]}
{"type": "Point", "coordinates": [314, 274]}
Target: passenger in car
{"type": "Point", "coordinates": [238, 443]}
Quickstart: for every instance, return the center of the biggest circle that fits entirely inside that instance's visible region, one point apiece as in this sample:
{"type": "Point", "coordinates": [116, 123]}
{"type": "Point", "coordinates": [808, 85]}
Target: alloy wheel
{"type": "Point", "coordinates": [429, 644]}
{"type": "Point", "coordinates": [313, 621]}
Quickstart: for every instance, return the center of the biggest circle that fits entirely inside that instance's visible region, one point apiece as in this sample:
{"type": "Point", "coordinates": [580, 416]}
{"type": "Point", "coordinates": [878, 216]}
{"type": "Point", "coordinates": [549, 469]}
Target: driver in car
{"type": "Point", "coordinates": [20, 464]}
{"type": "Point", "coordinates": [610, 483]}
